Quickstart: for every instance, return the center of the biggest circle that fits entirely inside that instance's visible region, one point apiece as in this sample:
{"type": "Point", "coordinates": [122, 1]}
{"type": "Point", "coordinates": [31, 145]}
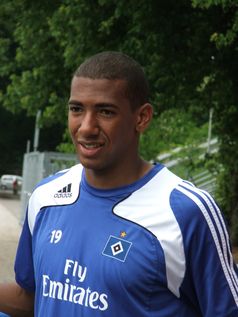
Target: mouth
{"type": "Point", "coordinates": [89, 149]}
{"type": "Point", "coordinates": [91, 145]}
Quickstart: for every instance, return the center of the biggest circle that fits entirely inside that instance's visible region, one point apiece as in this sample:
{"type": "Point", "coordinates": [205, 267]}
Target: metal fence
{"type": "Point", "coordinates": [205, 179]}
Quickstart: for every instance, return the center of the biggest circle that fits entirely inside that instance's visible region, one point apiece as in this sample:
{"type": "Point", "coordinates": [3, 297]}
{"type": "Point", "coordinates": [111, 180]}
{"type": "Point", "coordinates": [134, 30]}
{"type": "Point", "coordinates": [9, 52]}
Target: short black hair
{"type": "Point", "coordinates": [116, 65]}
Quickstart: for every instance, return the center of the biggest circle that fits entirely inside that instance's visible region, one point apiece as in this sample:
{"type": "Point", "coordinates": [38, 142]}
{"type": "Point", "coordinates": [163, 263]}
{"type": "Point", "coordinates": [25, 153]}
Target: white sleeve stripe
{"type": "Point", "coordinates": [226, 249]}
{"type": "Point", "coordinates": [223, 234]}
{"type": "Point", "coordinates": [221, 227]}
{"type": "Point", "coordinates": [228, 271]}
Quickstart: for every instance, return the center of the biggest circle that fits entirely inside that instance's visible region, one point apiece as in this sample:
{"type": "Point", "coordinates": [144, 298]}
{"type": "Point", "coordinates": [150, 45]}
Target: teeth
{"type": "Point", "coordinates": [91, 146]}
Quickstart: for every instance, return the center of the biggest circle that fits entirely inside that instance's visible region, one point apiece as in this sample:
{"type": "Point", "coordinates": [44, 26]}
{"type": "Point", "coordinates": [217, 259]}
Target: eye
{"type": "Point", "coordinates": [75, 108]}
{"type": "Point", "coordinates": [107, 112]}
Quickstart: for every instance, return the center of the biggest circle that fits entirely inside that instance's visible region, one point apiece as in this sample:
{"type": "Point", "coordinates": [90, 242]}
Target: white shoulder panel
{"type": "Point", "coordinates": [63, 190]}
{"type": "Point", "coordinates": [149, 207]}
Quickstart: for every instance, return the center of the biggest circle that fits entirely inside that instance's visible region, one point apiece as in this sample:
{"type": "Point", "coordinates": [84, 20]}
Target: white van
{"type": "Point", "coordinates": [11, 182]}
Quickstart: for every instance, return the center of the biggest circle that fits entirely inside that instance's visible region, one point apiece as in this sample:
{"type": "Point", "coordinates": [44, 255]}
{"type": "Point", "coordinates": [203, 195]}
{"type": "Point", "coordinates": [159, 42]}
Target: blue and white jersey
{"type": "Point", "coordinates": [158, 247]}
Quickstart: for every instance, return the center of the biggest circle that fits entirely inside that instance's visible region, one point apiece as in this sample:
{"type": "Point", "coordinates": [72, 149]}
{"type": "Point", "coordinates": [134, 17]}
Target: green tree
{"type": "Point", "coordinates": [14, 130]}
{"type": "Point", "coordinates": [52, 38]}
{"type": "Point", "coordinates": [17, 89]}
{"type": "Point", "coordinates": [223, 91]}
{"type": "Point", "coordinates": [189, 54]}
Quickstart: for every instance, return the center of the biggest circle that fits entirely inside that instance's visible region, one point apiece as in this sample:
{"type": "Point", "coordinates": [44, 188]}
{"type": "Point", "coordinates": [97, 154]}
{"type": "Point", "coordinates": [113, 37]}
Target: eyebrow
{"type": "Point", "coordinates": [74, 102]}
{"type": "Point", "coordinates": [97, 105]}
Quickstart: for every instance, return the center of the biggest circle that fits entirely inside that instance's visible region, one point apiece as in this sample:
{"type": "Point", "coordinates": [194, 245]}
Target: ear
{"type": "Point", "coordinates": [144, 117]}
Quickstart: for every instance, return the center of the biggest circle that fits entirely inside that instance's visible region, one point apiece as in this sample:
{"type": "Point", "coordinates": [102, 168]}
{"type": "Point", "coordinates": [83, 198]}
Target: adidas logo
{"type": "Point", "coordinates": [65, 192]}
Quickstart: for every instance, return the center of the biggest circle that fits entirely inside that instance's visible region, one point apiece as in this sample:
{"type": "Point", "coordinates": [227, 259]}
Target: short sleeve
{"type": "Point", "coordinates": [24, 269]}
{"type": "Point", "coordinates": [211, 280]}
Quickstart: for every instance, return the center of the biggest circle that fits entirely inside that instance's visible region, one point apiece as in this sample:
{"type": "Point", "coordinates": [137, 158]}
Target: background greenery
{"type": "Point", "coordinates": [189, 50]}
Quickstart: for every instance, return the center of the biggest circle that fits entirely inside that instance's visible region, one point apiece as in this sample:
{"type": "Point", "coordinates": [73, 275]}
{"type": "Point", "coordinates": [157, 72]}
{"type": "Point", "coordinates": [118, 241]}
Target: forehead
{"type": "Point", "coordinates": [106, 89]}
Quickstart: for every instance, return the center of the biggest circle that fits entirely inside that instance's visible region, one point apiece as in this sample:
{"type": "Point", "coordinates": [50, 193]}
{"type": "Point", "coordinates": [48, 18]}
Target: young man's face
{"type": "Point", "coordinates": [102, 123]}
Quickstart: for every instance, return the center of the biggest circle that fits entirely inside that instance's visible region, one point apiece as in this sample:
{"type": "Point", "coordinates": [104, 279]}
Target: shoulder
{"type": "Point", "coordinates": [170, 199]}
{"type": "Point", "coordinates": [54, 178]}
{"type": "Point", "coordinates": [61, 188]}
{"type": "Point", "coordinates": [53, 182]}
{"type": "Point", "coordinates": [182, 196]}
{"type": "Point", "coordinates": [190, 202]}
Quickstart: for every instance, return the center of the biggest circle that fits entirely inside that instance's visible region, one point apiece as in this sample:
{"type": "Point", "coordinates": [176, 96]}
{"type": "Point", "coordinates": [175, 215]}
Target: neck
{"type": "Point", "coordinates": [107, 179]}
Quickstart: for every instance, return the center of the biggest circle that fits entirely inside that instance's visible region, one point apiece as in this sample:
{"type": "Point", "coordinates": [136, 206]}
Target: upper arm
{"type": "Point", "coordinates": [211, 279]}
{"type": "Point", "coordinates": [24, 269]}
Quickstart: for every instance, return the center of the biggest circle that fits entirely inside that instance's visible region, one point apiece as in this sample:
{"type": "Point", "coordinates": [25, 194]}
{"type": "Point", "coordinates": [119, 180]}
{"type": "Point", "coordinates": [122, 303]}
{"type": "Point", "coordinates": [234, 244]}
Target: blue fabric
{"type": "Point", "coordinates": [158, 247]}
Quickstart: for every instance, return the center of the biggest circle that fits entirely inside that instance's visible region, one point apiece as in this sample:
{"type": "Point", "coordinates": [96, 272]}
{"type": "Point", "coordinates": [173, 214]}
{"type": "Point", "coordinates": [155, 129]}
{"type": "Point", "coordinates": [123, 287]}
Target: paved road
{"type": "Point", "coordinates": [10, 229]}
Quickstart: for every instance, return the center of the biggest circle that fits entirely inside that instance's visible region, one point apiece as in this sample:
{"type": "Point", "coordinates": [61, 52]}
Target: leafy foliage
{"type": "Point", "coordinates": [225, 99]}
{"type": "Point", "coordinates": [188, 50]}
{"type": "Point", "coordinates": [173, 128]}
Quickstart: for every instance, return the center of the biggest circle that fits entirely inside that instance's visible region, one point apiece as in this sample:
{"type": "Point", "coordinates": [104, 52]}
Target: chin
{"type": "Point", "coordinates": [92, 165]}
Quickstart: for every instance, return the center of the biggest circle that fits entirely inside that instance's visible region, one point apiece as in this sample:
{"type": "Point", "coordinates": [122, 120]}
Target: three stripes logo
{"type": "Point", "coordinates": [65, 192]}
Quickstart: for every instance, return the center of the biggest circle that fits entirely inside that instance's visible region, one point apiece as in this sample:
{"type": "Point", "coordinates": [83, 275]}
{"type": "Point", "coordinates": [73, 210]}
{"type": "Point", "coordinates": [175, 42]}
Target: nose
{"type": "Point", "coordinates": [88, 125]}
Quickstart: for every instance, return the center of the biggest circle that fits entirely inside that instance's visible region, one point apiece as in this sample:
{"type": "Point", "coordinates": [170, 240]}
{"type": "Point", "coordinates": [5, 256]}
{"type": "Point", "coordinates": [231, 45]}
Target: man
{"type": "Point", "coordinates": [116, 236]}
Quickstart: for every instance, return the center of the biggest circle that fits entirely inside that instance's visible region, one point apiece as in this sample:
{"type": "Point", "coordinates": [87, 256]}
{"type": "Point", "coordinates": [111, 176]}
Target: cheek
{"type": "Point", "coordinates": [123, 134]}
{"type": "Point", "coordinates": [115, 131]}
{"type": "Point", "coordinates": [72, 126]}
